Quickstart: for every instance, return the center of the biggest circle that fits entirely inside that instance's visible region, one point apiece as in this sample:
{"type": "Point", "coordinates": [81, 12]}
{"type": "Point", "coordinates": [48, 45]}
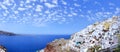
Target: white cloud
{"type": "Point", "coordinates": [13, 7]}
{"type": "Point", "coordinates": [89, 11]}
{"type": "Point", "coordinates": [13, 17]}
{"type": "Point", "coordinates": [3, 6]}
{"type": "Point", "coordinates": [33, 0]}
{"type": "Point", "coordinates": [70, 15]}
{"type": "Point", "coordinates": [73, 13]}
{"type": "Point", "coordinates": [39, 22]}
{"type": "Point", "coordinates": [43, 0]}
{"type": "Point", "coordinates": [47, 12]}
{"type": "Point", "coordinates": [4, 14]}
{"type": "Point", "coordinates": [117, 12]}
{"type": "Point", "coordinates": [29, 14]}
{"type": "Point", "coordinates": [63, 19]}
{"type": "Point", "coordinates": [80, 10]}
{"type": "Point", "coordinates": [50, 5]}
{"type": "Point", "coordinates": [39, 8]}
{"type": "Point", "coordinates": [8, 2]}
{"type": "Point", "coordinates": [28, 6]}
{"type": "Point", "coordinates": [6, 11]}
{"type": "Point", "coordinates": [21, 4]}
{"type": "Point", "coordinates": [40, 19]}
{"type": "Point", "coordinates": [27, 1]}
{"type": "Point", "coordinates": [55, 1]}
{"type": "Point", "coordinates": [77, 5]}
{"type": "Point", "coordinates": [81, 15]}
{"type": "Point", "coordinates": [21, 9]}
{"type": "Point", "coordinates": [99, 16]}
{"type": "Point", "coordinates": [54, 13]}
{"type": "Point", "coordinates": [16, 12]}
{"type": "Point", "coordinates": [63, 2]}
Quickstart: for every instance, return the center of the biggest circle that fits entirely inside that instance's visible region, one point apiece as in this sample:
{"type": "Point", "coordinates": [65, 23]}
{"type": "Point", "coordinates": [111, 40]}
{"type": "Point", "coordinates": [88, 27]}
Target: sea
{"type": "Point", "coordinates": [28, 43]}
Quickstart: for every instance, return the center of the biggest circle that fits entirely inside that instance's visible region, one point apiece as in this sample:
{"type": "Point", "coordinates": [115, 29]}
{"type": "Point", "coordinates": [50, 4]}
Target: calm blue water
{"type": "Point", "coordinates": [28, 43]}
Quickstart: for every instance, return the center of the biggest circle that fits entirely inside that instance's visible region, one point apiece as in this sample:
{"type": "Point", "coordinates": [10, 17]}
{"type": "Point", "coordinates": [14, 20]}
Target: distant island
{"type": "Point", "coordinates": [7, 33]}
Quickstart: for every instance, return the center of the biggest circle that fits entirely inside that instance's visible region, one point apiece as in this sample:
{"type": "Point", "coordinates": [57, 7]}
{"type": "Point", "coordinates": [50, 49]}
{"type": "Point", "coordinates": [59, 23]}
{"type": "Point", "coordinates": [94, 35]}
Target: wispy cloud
{"type": "Point", "coordinates": [50, 5]}
{"type": "Point", "coordinates": [45, 12]}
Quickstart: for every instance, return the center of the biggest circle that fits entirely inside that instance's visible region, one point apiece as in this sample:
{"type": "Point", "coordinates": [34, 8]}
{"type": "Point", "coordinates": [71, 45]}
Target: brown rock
{"type": "Point", "coordinates": [56, 46]}
{"type": "Point", "coordinates": [2, 49]}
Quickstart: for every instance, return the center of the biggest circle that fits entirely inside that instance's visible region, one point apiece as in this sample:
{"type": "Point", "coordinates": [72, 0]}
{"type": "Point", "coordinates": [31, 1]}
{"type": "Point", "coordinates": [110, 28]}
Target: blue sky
{"type": "Point", "coordinates": [54, 16]}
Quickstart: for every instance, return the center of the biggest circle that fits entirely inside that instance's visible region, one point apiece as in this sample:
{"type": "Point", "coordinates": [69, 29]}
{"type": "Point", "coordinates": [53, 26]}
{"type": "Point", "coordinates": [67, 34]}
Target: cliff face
{"type": "Point", "coordinates": [56, 46]}
{"type": "Point", "coordinates": [96, 37]}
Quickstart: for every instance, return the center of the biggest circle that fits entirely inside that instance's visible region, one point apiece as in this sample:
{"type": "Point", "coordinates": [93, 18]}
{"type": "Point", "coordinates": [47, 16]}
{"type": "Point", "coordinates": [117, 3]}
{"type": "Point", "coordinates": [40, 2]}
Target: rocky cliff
{"type": "Point", "coordinates": [99, 37]}
{"type": "Point", "coordinates": [2, 49]}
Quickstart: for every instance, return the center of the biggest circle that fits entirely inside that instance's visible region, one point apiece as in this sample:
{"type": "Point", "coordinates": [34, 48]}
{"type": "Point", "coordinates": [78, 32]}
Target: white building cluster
{"type": "Point", "coordinates": [103, 34]}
